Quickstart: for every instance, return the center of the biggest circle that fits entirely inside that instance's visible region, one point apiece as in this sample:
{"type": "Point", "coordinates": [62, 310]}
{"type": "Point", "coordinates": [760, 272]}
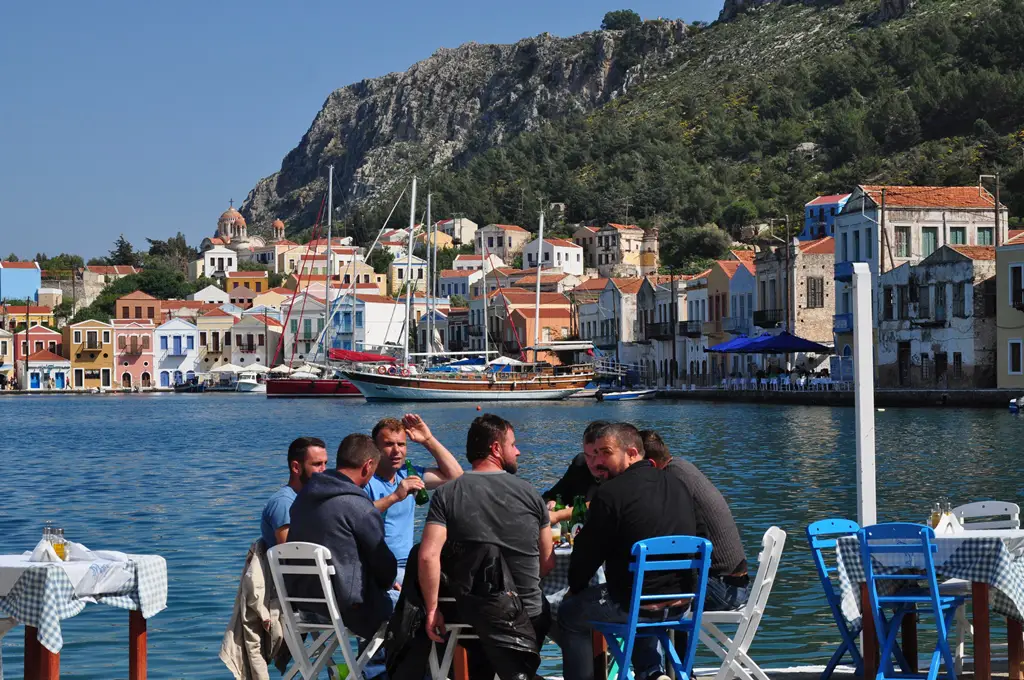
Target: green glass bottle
{"type": "Point", "coordinates": [422, 497]}
{"type": "Point", "coordinates": [579, 516]}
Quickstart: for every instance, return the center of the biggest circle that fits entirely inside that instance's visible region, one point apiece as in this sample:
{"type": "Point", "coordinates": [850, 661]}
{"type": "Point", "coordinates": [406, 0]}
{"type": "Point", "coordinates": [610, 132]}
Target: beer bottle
{"type": "Point", "coordinates": [579, 516]}
{"type": "Point", "coordinates": [421, 496]}
{"type": "Point", "coordinates": [563, 526]}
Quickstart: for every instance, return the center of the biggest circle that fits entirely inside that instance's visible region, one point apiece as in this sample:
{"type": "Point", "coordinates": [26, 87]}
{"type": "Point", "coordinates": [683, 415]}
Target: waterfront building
{"type": "Point", "coordinates": [215, 262]}
{"type": "Point", "coordinates": [458, 281]}
{"type": "Point", "coordinates": [731, 296]}
{"type": "Point", "coordinates": [256, 281]}
{"type": "Point", "coordinates": [176, 349]}
{"type": "Point", "coordinates": [937, 321]}
{"type": "Point", "coordinates": [586, 238]}
{"type": "Point", "coordinates": [518, 331]}
{"type": "Point", "coordinates": [610, 321]}
{"type": "Point", "coordinates": [1010, 313]}
{"type": "Point", "coordinates": [39, 337]}
{"type": "Point", "coordinates": [6, 356]}
{"type": "Point", "coordinates": [474, 261]}
{"type": "Point", "coordinates": [461, 230]}
{"type": "Point", "coordinates": [210, 294]}
{"type": "Point", "coordinates": [15, 316]}
{"type": "Point", "coordinates": [918, 221]}
{"type": "Point", "coordinates": [134, 359]}
{"type": "Point", "coordinates": [305, 316]}
{"type": "Point", "coordinates": [255, 340]}
{"type": "Point", "coordinates": [405, 270]}
{"type": "Point", "coordinates": [500, 305]}
{"type": "Point", "coordinates": [214, 338]}
{"type": "Point", "coordinates": [558, 253]}
{"type": "Point", "coordinates": [438, 238]}
{"type": "Point", "coordinates": [20, 280]}
{"type": "Point", "coordinates": [275, 297]}
{"type": "Point", "coordinates": [456, 329]}
{"type": "Point", "coordinates": [662, 311]}
{"type": "Point", "coordinates": [820, 216]}
{"type": "Point", "coordinates": [44, 370]}
{"type": "Point", "coordinates": [692, 329]}
{"type": "Point", "coordinates": [376, 321]}
{"type": "Point", "coordinates": [90, 347]}
{"type": "Point", "coordinates": [139, 306]}
{"type": "Point", "coordinates": [504, 240]}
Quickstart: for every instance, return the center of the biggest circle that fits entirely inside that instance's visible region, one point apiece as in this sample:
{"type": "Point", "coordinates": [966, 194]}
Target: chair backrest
{"type": "Point", "coordinates": [997, 515]}
{"type": "Point", "coordinates": [672, 553]}
{"type": "Point", "coordinates": [821, 536]}
{"type": "Point", "coordinates": [303, 559]}
{"type": "Point", "coordinates": [899, 552]}
{"type": "Point", "coordinates": [772, 543]}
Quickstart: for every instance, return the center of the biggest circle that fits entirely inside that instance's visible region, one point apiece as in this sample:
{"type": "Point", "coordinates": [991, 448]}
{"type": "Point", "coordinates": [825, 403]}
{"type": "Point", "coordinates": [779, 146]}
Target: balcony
{"type": "Point", "coordinates": [92, 344]}
{"type": "Point", "coordinates": [475, 331]}
{"type": "Point", "coordinates": [768, 318]}
{"type": "Point", "coordinates": [736, 325]}
{"type": "Point", "coordinates": [712, 327]}
{"type": "Point", "coordinates": [134, 349]}
{"type": "Point", "coordinates": [247, 347]}
{"type": "Point", "coordinates": [842, 323]}
{"type": "Point", "coordinates": [936, 320]}
{"type": "Point", "coordinates": [177, 351]}
{"type": "Point", "coordinates": [662, 330]}
{"type": "Point", "coordinates": [690, 329]}
{"type": "Point", "coordinates": [605, 341]}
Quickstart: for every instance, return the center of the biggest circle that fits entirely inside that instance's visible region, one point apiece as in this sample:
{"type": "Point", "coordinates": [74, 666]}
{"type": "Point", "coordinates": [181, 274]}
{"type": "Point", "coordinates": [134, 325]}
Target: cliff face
{"type": "Point", "coordinates": [449, 107]}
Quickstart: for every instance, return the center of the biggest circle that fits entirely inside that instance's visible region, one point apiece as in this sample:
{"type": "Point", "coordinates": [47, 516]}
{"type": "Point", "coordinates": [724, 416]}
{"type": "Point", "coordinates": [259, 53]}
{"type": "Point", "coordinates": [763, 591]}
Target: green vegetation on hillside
{"type": "Point", "coordinates": [764, 113]}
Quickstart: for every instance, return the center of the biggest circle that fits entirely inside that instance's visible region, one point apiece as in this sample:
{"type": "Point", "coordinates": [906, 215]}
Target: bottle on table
{"type": "Point", "coordinates": [936, 516]}
{"type": "Point", "coordinates": [422, 497]}
{"type": "Point", "coordinates": [59, 545]}
{"type": "Point", "coordinates": [563, 526]}
{"type": "Point", "coordinates": [579, 516]}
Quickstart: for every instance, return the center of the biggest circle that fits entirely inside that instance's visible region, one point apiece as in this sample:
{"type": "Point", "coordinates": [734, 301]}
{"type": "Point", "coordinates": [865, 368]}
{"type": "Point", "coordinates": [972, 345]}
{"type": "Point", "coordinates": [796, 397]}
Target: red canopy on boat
{"type": "Point", "coordinates": [349, 355]}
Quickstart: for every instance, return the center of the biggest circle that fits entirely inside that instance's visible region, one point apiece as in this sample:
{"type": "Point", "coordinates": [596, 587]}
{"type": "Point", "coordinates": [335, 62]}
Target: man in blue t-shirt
{"type": "Point", "coordinates": [393, 490]}
{"type": "Point", "coordinates": [306, 457]}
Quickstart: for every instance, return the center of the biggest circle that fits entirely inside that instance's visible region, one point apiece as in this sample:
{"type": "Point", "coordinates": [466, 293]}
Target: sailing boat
{"type": "Point", "coordinates": [501, 380]}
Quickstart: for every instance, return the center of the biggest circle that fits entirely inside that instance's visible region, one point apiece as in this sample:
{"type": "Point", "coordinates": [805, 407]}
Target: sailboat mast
{"type": "Point", "coordinates": [484, 269]}
{"type": "Point", "coordinates": [408, 276]}
{"type": "Point", "coordinates": [327, 288]}
{"type": "Point", "coordinates": [536, 304]}
{"type": "Point", "coordinates": [430, 295]}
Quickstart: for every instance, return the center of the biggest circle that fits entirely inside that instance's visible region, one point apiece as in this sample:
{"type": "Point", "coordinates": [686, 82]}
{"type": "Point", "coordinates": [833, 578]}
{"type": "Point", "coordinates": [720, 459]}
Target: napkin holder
{"type": "Point", "coordinates": [948, 525]}
{"type": "Point", "coordinates": [44, 552]}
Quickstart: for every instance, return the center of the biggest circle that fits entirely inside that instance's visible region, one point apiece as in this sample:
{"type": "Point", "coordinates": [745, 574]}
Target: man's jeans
{"type": "Point", "coordinates": [722, 597]}
{"type": "Point", "coordinates": [593, 604]}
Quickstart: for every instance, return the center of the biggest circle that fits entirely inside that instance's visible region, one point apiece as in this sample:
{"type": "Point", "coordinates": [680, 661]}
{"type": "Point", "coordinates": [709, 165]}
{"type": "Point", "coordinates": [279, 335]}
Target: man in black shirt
{"type": "Point", "coordinates": [637, 501]}
{"type": "Point", "coordinates": [579, 480]}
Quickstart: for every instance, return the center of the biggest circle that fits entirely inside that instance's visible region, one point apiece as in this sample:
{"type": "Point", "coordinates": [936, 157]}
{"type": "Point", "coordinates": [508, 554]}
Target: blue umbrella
{"type": "Point", "coordinates": [783, 343]}
{"type": "Point", "coordinates": [734, 345]}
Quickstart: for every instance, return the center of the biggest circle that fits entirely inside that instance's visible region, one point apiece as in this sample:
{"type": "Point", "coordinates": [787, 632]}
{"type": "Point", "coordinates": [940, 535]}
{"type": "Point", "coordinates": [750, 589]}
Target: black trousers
{"type": "Point", "coordinates": [481, 669]}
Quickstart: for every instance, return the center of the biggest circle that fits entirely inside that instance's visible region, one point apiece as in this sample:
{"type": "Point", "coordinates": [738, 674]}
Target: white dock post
{"type": "Point", "coordinates": [864, 394]}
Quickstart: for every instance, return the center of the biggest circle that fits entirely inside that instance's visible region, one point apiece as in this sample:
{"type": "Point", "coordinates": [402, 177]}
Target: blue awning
{"type": "Point", "coordinates": [783, 343]}
{"type": "Point", "coordinates": [733, 345]}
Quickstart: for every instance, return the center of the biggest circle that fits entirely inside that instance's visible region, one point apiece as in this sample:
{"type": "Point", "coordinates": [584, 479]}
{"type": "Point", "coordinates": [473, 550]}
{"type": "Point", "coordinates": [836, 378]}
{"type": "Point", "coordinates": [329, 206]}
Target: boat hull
{"type": "Point", "coordinates": [635, 395]}
{"type": "Point", "coordinates": [312, 388]}
{"type": "Point", "coordinates": [251, 387]}
{"type": "Point", "coordinates": [418, 388]}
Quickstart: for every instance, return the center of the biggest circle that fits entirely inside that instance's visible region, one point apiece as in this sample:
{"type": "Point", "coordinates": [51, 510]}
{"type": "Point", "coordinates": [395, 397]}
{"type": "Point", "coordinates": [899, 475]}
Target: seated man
{"type": "Point", "coordinates": [579, 480]}
{"type": "Point", "coordinates": [393, 490]}
{"type": "Point", "coordinates": [489, 504]}
{"type": "Point", "coordinates": [728, 582]}
{"type": "Point", "coordinates": [333, 511]}
{"type": "Point", "coordinates": [306, 456]}
{"type": "Point", "coordinates": [637, 501]}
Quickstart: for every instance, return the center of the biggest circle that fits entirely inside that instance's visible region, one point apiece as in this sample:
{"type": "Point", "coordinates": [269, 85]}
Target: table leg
{"type": "Point", "coordinates": [136, 646]}
{"type": "Point", "coordinates": [31, 653]}
{"type": "Point", "coordinates": [1015, 634]}
{"type": "Point", "coordinates": [909, 630]}
{"type": "Point", "coordinates": [461, 663]}
{"type": "Point", "coordinates": [982, 632]}
{"type": "Point", "coordinates": [869, 645]}
{"type": "Point", "coordinates": [600, 654]}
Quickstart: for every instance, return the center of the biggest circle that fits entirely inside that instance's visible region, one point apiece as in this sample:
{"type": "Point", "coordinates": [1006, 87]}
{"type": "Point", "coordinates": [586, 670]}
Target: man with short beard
{"type": "Point", "coordinates": [579, 480]}
{"type": "Point", "coordinates": [306, 457]}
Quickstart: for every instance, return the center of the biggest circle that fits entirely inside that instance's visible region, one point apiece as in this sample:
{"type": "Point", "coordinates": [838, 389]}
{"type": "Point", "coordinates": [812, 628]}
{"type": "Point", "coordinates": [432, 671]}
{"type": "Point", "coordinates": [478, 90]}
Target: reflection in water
{"type": "Point", "coordinates": [186, 476]}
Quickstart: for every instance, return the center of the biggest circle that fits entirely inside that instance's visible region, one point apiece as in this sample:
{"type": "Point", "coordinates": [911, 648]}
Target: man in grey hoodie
{"type": "Point", "coordinates": [333, 510]}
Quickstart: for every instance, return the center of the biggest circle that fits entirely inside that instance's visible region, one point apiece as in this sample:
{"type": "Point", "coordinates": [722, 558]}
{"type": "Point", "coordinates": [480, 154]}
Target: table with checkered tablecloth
{"type": "Point", "coordinates": [43, 596]}
{"type": "Point", "coordinates": [992, 558]}
{"type": "Point", "coordinates": [556, 584]}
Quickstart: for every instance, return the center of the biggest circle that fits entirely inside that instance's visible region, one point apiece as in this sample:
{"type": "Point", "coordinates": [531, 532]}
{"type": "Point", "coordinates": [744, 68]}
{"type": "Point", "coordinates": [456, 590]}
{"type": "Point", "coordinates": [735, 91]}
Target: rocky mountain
{"type": "Point", "coordinates": [450, 107]}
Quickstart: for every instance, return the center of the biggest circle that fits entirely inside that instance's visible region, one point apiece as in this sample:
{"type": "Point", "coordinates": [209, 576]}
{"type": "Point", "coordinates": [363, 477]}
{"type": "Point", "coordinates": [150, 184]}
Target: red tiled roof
{"type": "Point", "coordinates": [976, 252]}
{"type": "Point", "coordinates": [545, 278]}
{"type": "Point", "coordinates": [509, 227]}
{"type": "Point", "coordinates": [621, 227]}
{"type": "Point", "coordinates": [19, 265]}
{"type": "Point", "coordinates": [46, 355]}
{"type": "Point", "coordinates": [119, 269]}
{"type": "Point", "coordinates": [827, 200]}
{"type": "Point", "coordinates": [1015, 239]}
{"type": "Point", "coordinates": [743, 255]}
{"type": "Point", "coordinates": [264, 319]}
{"type": "Point", "coordinates": [1013, 233]}
{"type": "Point", "coordinates": [259, 274]}
{"type": "Point", "coordinates": [592, 284]}
{"type": "Point", "coordinates": [821, 246]}
{"type": "Point", "coordinates": [729, 266]}
{"type": "Point", "coordinates": [457, 273]}
{"type": "Point", "coordinates": [564, 243]}
{"type": "Point", "coordinates": [628, 286]}
{"type": "Point", "coordinates": [548, 313]}
{"type": "Point", "coordinates": [15, 310]}
{"type": "Point", "coordinates": [335, 241]}
{"type": "Point", "coordinates": [468, 257]}
{"type": "Point", "coordinates": [281, 291]}
{"type": "Point", "coordinates": [375, 298]}
{"type": "Point", "coordinates": [218, 312]}
{"type": "Point", "coordinates": [522, 295]}
{"type": "Point", "coordinates": [931, 197]}
{"type": "Point", "coordinates": [137, 295]}
{"type": "Point", "coordinates": [592, 230]}
{"type": "Point", "coordinates": [283, 242]}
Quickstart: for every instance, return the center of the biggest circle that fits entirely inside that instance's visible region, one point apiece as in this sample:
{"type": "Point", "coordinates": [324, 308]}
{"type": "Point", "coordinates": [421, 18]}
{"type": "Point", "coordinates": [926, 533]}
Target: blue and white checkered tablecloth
{"type": "Point", "coordinates": [43, 596]}
{"type": "Point", "coordinates": [992, 557]}
{"type": "Point", "coordinates": [556, 584]}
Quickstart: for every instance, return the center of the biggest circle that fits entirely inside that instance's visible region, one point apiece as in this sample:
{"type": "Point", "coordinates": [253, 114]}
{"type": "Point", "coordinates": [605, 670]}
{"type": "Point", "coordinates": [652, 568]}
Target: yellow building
{"type": "Point", "coordinates": [442, 239]}
{"type": "Point", "coordinates": [1010, 314]}
{"type": "Point", "coordinates": [214, 339]}
{"type": "Point", "coordinates": [90, 347]}
{"type": "Point", "coordinates": [258, 281]}
{"type": "Point", "coordinates": [6, 354]}
{"type": "Point", "coordinates": [16, 315]}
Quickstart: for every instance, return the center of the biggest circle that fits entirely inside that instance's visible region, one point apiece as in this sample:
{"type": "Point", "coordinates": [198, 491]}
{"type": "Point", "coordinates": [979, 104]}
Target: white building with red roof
{"type": "Point", "coordinates": [44, 370]}
{"type": "Point", "coordinates": [254, 340]}
{"type": "Point", "coordinates": [474, 261]}
{"type": "Point", "coordinates": [558, 253]}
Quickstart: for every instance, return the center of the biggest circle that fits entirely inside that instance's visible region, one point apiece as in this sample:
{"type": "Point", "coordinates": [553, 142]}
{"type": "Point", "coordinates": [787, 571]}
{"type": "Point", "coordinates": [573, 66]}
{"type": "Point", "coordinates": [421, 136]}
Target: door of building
{"type": "Point", "coordinates": [33, 380]}
{"type": "Point", "coordinates": [177, 345]}
{"type": "Point", "coordinates": [940, 367]}
{"type": "Point", "coordinates": [59, 380]}
{"type": "Point", "coordinates": [903, 361]}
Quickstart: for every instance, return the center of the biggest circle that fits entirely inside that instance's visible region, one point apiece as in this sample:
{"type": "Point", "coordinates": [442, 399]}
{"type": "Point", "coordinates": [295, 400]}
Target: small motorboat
{"type": "Point", "coordinates": [1017, 405]}
{"type": "Point", "coordinates": [626, 395]}
{"type": "Point", "coordinates": [249, 381]}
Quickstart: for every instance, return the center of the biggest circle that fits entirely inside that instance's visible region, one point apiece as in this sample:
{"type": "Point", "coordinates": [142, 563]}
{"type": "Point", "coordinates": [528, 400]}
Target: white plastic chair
{"type": "Point", "coordinates": [736, 663]}
{"type": "Point", "coordinates": [457, 632]}
{"type": "Point", "coordinates": [1008, 515]}
{"type": "Point", "coordinates": [310, 559]}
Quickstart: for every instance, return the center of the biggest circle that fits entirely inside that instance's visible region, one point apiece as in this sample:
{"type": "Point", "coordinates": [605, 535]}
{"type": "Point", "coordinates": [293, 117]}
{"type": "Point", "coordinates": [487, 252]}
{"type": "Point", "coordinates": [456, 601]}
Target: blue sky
{"type": "Point", "coordinates": [144, 118]}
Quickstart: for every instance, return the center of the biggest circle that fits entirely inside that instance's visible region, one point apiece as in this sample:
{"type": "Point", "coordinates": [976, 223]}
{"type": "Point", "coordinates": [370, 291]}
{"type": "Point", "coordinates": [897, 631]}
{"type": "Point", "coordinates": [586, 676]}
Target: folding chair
{"type": "Point", "coordinates": [822, 535]}
{"type": "Point", "coordinates": [736, 663]}
{"type": "Point", "coordinates": [682, 553]}
{"type": "Point", "coordinates": [996, 515]}
{"type": "Point", "coordinates": [457, 632]}
{"type": "Point", "coordinates": [900, 552]}
{"type": "Point", "coordinates": [310, 559]}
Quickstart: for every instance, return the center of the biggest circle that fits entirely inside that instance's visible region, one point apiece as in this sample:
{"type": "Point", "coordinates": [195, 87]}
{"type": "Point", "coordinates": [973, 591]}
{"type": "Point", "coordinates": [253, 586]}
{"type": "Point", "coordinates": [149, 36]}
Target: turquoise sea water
{"type": "Point", "coordinates": [186, 476]}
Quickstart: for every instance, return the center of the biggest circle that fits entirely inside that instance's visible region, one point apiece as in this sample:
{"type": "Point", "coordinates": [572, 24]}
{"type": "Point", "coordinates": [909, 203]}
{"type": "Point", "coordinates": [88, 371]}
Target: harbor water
{"type": "Point", "coordinates": [186, 476]}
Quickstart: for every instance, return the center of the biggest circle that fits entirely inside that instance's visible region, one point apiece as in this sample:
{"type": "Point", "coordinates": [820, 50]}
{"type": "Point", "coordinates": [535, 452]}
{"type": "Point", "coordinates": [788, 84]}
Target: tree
{"type": "Point", "coordinates": [124, 254]}
{"type": "Point", "coordinates": [64, 262]}
{"type": "Point", "coordinates": [380, 260]}
{"type": "Point", "coordinates": [11, 258]}
{"type": "Point", "coordinates": [174, 253]}
{"type": "Point", "coordinates": [740, 213]}
{"type": "Point", "coordinates": [458, 301]}
{"type": "Point", "coordinates": [96, 261]}
{"type": "Point", "coordinates": [620, 20]}
{"type": "Point", "coordinates": [687, 248]}
{"type": "Point", "coordinates": [162, 284]}
{"type": "Point", "coordinates": [63, 311]}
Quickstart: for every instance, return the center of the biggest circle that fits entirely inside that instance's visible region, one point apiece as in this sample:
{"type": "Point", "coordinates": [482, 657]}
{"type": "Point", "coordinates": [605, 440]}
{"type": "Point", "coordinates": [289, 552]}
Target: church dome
{"type": "Point", "coordinates": [277, 224]}
{"type": "Point", "coordinates": [231, 216]}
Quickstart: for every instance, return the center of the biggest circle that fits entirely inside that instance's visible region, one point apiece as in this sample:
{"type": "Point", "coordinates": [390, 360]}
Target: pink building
{"type": "Point", "coordinates": [134, 357]}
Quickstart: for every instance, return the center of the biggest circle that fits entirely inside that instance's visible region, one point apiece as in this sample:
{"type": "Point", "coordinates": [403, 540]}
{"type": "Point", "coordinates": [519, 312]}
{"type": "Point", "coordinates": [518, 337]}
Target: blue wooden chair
{"type": "Point", "coordinates": [822, 535]}
{"type": "Point", "coordinates": [904, 556]}
{"type": "Point", "coordinates": [663, 553]}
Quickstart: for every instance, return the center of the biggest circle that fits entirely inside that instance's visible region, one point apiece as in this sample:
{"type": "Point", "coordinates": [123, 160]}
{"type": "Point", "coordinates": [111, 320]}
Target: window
{"type": "Point", "coordinates": [887, 306]}
{"type": "Point", "coordinates": [815, 292]}
{"type": "Point", "coordinates": [959, 300]}
{"type": "Point", "coordinates": [1015, 357]}
{"type": "Point", "coordinates": [958, 366]}
{"type": "Point", "coordinates": [902, 241]}
{"type": "Point", "coordinates": [490, 241]}
{"type": "Point", "coordinates": [904, 302]}
{"type": "Point", "coordinates": [929, 240]}
{"type": "Point", "coordinates": [234, 285]}
{"type": "Point", "coordinates": [844, 250]}
{"type": "Point", "coordinates": [106, 336]}
{"type": "Point", "coordinates": [78, 337]}
{"type": "Point", "coordinates": [923, 303]}
{"type": "Point", "coordinates": [856, 245]}
{"type": "Point", "coordinates": [1016, 284]}
{"type": "Point", "coordinates": [958, 236]}
{"type": "Point", "coordinates": [260, 337]}
{"type": "Point", "coordinates": [163, 342]}
{"type": "Point", "coordinates": [138, 312]}
{"type": "Point", "coordinates": [3, 348]}
{"type": "Point", "coordinates": [52, 346]}
{"type": "Point", "coordinates": [124, 312]}
{"type": "Point", "coordinates": [940, 301]}
{"type": "Point", "coordinates": [401, 273]}
{"type": "Point", "coordinates": [227, 339]}
{"type": "Point", "coordinates": [259, 287]}
{"type": "Point", "coordinates": [867, 244]}
{"type": "Point", "coordinates": [238, 339]}
{"type": "Point", "coordinates": [985, 236]}
{"type": "Point", "coordinates": [202, 338]}
{"type": "Point", "coordinates": [295, 326]}
{"type": "Point", "coordinates": [190, 342]}
{"type": "Point", "coordinates": [926, 366]}
{"type": "Point", "coordinates": [145, 342]}
{"type": "Point", "coordinates": [359, 319]}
